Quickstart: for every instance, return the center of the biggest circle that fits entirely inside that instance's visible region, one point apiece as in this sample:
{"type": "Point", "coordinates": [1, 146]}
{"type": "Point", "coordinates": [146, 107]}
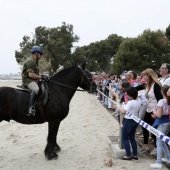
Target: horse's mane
{"type": "Point", "coordinates": [62, 72]}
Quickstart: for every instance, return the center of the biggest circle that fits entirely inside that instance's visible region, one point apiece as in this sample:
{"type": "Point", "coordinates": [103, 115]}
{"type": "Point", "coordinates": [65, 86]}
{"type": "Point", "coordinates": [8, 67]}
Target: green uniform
{"type": "Point", "coordinates": [30, 65]}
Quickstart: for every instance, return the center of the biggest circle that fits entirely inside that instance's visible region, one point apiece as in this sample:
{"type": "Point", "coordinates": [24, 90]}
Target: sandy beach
{"type": "Point", "coordinates": [83, 138]}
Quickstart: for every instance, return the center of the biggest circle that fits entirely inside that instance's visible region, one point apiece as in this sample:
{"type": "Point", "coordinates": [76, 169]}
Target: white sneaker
{"type": "Point", "coordinates": [164, 160]}
{"type": "Point", "coordinates": [153, 152]}
{"type": "Point", "coordinates": [116, 114]}
{"type": "Point", "coordinates": [156, 166]}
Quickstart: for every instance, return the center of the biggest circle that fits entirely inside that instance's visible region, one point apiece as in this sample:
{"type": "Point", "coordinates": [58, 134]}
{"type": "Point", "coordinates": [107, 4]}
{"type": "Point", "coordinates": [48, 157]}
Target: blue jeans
{"type": "Point", "coordinates": [128, 136]}
{"type": "Point", "coordinates": [161, 145]}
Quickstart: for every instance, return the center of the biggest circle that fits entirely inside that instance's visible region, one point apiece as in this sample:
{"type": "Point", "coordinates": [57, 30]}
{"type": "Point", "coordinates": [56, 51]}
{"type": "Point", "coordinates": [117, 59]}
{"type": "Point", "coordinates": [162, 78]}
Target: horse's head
{"type": "Point", "coordinates": [71, 78]}
{"type": "Point", "coordinates": [86, 78]}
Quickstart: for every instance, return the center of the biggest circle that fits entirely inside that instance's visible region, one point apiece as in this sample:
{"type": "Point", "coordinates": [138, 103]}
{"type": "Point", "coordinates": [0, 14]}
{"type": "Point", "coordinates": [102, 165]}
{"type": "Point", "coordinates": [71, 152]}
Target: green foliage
{"type": "Point", "coordinates": [55, 42]}
{"type": "Point", "coordinates": [167, 33]}
{"type": "Point", "coordinates": [25, 47]}
{"type": "Point", "coordinates": [79, 56]}
{"type": "Point", "coordinates": [148, 50]}
{"type": "Point", "coordinates": [113, 55]}
{"type": "Point", "coordinates": [127, 57]}
{"type": "Point", "coordinates": [60, 43]}
{"type": "Point", "coordinates": [160, 44]}
{"type": "Point", "coordinates": [99, 54]}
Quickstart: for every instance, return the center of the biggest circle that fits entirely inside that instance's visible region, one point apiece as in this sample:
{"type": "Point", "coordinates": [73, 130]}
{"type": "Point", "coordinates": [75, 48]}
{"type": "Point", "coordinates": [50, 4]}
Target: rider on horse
{"type": "Point", "coordinates": [30, 76]}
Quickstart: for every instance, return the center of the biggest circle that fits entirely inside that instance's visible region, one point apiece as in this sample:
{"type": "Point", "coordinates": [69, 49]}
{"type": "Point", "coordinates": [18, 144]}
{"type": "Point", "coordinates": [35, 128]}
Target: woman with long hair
{"type": "Point", "coordinates": [162, 124]}
{"type": "Point", "coordinates": [153, 95]}
{"type": "Point", "coordinates": [133, 81]}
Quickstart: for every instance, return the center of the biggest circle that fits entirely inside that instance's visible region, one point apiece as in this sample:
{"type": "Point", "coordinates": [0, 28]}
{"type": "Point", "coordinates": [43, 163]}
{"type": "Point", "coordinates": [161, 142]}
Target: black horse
{"type": "Point", "coordinates": [62, 86]}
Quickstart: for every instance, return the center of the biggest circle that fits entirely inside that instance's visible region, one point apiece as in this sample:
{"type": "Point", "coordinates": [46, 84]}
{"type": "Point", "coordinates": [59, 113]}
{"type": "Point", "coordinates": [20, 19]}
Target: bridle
{"type": "Point", "coordinates": [83, 75]}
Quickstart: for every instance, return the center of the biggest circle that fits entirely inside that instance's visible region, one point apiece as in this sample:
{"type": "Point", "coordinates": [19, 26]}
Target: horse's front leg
{"type": "Point", "coordinates": [52, 147]}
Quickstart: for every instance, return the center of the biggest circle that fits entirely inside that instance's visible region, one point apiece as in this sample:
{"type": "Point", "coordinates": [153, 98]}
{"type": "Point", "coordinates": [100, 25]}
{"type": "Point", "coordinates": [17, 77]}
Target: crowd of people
{"type": "Point", "coordinates": [145, 95]}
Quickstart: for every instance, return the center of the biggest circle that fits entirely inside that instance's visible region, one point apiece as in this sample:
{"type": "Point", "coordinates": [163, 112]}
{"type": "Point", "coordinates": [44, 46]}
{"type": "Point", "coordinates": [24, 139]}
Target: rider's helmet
{"type": "Point", "coordinates": [37, 49]}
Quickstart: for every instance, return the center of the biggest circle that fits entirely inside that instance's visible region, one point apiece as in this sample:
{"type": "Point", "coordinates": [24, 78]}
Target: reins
{"type": "Point", "coordinates": [84, 74]}
{"type": "Point", "coordinates": [66, 85]}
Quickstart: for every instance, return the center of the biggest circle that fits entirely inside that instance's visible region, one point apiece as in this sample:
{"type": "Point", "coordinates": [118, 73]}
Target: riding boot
{"type": "Point", "coordinates": [31, 109]}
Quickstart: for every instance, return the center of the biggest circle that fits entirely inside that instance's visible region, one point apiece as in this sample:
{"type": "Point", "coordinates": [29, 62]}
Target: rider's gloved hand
{"type": "Point", "coordinates": [44, 77]}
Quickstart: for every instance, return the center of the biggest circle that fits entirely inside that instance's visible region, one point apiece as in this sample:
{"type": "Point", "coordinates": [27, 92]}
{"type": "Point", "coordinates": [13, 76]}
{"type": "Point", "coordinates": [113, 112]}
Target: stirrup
{"type": "Point", "coordinates": [31, 111]}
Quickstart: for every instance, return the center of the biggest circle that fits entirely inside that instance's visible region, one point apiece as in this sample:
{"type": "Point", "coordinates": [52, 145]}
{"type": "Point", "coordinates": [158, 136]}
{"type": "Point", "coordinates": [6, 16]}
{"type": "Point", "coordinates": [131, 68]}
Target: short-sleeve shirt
{"type": "Point", "coordinates": [30, 65]}
{"type": "Point", "coordinates": [165, 81]}
{"type": "Point", "coordinates": [163, 103]}
{"type": "Point", "coordinates": [133, 83]}
{"type": "Point", "coordinates": [141, 95]}
{"type": "Point", "coordinates": [133, 107]}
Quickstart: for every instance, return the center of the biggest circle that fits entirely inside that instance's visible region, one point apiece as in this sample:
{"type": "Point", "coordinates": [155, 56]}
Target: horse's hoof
{"type": "Point", "coordinates": [52, 156]}
{"type": "Point", "coordinates": [57, 149]}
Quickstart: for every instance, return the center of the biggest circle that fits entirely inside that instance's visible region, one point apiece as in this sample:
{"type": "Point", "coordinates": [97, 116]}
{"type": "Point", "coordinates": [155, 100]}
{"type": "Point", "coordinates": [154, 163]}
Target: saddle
{"type": "Point", "coordinates": [43, 94]}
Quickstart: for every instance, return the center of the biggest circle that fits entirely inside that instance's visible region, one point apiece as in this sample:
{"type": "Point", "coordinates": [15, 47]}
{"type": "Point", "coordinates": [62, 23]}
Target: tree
{"type": "Point", "coordinates": [148, 50]}
{"type": "Point", "coordinates": [160, 43]}
{"type": "Point", "coordinates": [25, 47]}
{"type": "Point", "coordinates": [56, 43]}
{"type": "Point", "coordinates": [59, 45]}
{"type": "Point", "coordinates": [112, 54]}
{"type": "Point", "coordinates": [167, 33]}
{"type": "Point", "coordinates": [99, 54]}
{"type": "Point", "coordinates": [127, 57]}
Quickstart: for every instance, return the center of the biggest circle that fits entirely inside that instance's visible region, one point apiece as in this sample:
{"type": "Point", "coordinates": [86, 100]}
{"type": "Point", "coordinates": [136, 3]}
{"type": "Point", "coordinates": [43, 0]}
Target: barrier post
{"type": "Point", "coordinates": [120, 135]}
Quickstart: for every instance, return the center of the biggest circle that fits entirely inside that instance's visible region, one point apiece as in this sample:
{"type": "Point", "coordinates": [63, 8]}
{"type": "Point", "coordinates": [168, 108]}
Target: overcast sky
{"type": "Point", "coordinates": [93, 20]}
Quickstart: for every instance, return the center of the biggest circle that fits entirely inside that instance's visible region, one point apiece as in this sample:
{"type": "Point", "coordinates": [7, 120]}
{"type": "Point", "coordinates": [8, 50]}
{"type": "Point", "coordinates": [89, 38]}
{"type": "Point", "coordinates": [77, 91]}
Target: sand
{"type": "Point", "coordinates": [83, 138]}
